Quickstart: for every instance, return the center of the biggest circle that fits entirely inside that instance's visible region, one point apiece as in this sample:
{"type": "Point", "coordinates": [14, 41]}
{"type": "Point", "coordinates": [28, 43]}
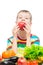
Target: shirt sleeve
{"type": "Point", "coordinates": [9, 43]}
{"type": "Point", "coordinates": [35, 40]}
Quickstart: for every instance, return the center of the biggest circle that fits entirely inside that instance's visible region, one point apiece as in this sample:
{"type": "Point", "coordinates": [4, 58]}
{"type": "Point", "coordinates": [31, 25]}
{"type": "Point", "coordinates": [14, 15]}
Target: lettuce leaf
{"type": "Point", "coordinates": [33, 52]}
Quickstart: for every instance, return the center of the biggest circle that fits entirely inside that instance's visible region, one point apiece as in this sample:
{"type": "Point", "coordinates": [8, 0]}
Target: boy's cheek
{"type": "Point", "coordinates": [28, 21]}
{"type": "Point", "coordinates": [18, 20]}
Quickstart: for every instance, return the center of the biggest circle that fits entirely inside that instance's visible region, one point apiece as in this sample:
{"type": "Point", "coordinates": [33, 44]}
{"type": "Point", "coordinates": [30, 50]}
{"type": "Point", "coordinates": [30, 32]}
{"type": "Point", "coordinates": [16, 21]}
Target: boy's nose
{"type": "Point", "coordinates": [23, 19]}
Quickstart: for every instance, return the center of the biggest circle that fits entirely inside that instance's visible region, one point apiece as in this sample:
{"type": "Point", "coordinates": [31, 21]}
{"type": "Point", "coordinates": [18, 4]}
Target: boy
{"type": "Point", "coordinates": [22, 38]}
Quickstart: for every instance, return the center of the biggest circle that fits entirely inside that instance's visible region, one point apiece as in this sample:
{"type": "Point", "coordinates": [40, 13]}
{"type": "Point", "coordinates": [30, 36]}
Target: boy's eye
{"type": "Point", "coordinates": [26, 18]}
{"type": "Point", "coordinates": [20, 17]}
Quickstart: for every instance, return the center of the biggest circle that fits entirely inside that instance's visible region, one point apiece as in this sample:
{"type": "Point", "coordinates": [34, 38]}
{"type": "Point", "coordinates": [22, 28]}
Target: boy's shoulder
{"type": "Point", "coordinates": [35, 39]}
{"type": "Point", "coordinates": [34, 36]}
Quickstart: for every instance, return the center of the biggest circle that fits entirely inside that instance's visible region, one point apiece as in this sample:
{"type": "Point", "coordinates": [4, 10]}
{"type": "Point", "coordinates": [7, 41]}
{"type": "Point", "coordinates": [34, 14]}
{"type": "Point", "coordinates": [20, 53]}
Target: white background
{"type": "Point", "coordinates": [8, 12]}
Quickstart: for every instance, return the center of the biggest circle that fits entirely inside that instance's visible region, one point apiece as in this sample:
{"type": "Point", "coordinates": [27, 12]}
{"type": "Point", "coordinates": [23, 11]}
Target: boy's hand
{"type": "Point", "coordinates": [27, 28]}
{"type": "Point", "coordinates": [15, 30]}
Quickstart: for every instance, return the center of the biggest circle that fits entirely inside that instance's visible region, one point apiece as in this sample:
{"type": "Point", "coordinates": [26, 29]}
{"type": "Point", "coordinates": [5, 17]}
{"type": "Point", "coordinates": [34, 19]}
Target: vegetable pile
{"type": "Point", "coordinates": [33, 52]}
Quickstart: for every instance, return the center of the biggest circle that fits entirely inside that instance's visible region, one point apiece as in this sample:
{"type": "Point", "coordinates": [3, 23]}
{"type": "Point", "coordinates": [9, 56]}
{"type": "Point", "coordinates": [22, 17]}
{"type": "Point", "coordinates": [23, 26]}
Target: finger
{"type": "Point", "coordinates": [25, 29]}
{"type": "Point", "coordinates": [17, 29]}
{"type": "Point", "coordinates": [17, 26]}
{"type": "Point", "coordinates": [27, 24]}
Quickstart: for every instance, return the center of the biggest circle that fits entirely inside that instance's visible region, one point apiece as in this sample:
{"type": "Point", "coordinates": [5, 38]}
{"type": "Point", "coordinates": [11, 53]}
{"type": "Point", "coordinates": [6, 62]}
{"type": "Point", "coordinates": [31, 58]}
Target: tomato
{"type": "Point", "coordinates": [31, 63]}
{"type": "Point", "coordinates": [28, 62]}
{"type": "Point", "coordinates": [34, 62]}
{"type": "Point", "coordinates": [21, 25]}
{"type": "Point", "coordinates": [22, 61]}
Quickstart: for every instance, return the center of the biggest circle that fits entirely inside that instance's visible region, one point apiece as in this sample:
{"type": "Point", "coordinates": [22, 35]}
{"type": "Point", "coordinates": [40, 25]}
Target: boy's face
{"type": "Point", "coordinates": [24, 17]}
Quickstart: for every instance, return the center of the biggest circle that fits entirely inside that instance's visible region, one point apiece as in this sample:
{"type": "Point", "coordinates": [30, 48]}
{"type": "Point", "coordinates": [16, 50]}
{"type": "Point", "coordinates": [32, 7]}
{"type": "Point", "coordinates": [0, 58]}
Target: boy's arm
{"type": "Point", "coordinates": [14, 32]}
{"type": "Point", "coordinates": [14, 46]}
{"type": "Point", "coordinates": [28, 42]}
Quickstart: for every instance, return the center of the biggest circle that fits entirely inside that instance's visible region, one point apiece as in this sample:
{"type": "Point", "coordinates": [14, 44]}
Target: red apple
{"type": "Point", "coordinates": [22, 61]}
{"type": "Point", "coordinates": [21, 25]}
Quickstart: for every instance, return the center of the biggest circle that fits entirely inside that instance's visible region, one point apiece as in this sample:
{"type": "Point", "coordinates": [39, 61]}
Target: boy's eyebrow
{"type": "Point", "coordinates": [20, 15]}
{"type": "Point", "coordinates": [27, 17]}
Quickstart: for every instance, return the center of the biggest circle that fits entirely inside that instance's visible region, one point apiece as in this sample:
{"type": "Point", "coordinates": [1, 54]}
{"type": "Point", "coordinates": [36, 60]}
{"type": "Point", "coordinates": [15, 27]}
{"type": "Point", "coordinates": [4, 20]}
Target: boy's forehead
{"type": "Point", "coordinates": [24, 14]}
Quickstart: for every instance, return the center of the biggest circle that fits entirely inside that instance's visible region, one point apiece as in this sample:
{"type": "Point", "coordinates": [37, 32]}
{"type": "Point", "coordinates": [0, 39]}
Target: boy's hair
{"type": "Point", "coordinates": [26, 11]}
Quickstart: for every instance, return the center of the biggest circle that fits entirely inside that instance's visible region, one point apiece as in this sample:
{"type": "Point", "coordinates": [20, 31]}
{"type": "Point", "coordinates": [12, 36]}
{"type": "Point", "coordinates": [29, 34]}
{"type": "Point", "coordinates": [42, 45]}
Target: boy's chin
{"type": "Point", "coordinates": [22, 30]}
